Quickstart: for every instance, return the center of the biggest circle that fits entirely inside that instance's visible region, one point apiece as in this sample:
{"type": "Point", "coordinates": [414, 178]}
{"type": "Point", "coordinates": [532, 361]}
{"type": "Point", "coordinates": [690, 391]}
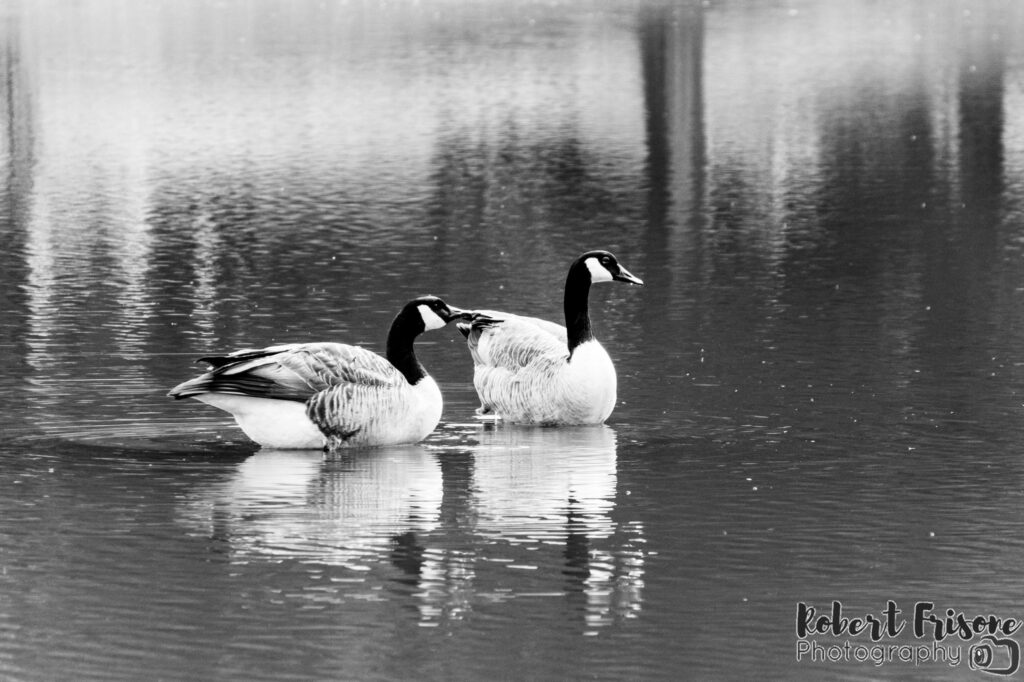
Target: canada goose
{"type": "Point", "coordinates": [330, 395]}
{"type": "Point", "coordinates": [533, 371]}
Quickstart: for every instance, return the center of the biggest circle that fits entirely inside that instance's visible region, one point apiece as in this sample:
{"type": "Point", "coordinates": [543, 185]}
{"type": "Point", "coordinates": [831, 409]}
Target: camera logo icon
{"type": "Point", "coordinates": [995, 656]}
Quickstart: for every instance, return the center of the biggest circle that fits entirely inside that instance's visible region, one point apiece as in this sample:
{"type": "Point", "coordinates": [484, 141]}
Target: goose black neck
{"type": "Point", "coordinates": [400, 353]}
{"type": "Point", "coordinates": [577, 311]}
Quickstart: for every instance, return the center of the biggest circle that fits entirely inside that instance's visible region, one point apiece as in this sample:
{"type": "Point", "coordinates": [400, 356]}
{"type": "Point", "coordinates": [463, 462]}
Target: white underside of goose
{"type": "Point", "coordinates": [279, 424]}
{"type": "Point", "coordinates": [523, 373]}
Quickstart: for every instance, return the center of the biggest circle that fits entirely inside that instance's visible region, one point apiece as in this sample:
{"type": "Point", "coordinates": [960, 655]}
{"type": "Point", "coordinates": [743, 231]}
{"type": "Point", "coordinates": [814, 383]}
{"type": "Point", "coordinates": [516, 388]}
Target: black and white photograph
{"type": "Point", "coordinates": [526, 340]}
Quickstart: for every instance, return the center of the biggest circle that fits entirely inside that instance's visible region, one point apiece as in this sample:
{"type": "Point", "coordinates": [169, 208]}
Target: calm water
{"type": "Point", "coordinates": [821, 386]}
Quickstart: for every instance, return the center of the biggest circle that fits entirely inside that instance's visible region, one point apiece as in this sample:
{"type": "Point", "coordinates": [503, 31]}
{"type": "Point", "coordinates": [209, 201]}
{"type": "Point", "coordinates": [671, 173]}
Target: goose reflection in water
{"type": "Point", "coordinates": [506, 513]}
{"type": "Point", "coordinates": [556, 487]}
{"type": "Point", "coordinates": [341, 511]}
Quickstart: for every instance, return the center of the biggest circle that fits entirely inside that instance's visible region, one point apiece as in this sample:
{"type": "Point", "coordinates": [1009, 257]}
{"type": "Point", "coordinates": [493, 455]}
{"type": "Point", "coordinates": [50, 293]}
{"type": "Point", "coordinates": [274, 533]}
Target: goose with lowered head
{"type": "Point", "coordinates": [533, 371]}
{"type": "Point", "coordinates": [331, 395]}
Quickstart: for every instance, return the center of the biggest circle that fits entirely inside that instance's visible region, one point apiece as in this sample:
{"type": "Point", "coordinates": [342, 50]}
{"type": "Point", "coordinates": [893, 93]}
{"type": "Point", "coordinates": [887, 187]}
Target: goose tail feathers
{"type": "Point", "coordinates": [249, 372]}
{"type": "Point", "coordinates": [190, 388]}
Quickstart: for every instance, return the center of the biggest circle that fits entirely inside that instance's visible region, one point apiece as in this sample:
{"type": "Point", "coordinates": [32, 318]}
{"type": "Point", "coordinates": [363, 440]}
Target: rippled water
{"type": "Point", "coordinates": [820, 384]}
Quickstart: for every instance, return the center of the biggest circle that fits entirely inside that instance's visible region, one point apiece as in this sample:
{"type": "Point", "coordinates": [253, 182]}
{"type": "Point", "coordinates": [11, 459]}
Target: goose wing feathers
{"type": "Point", "coordinates": [350, 410]}
{"type": "Point", "coordinates": [513, 342]}
{"type": "Point", "coordinates": [292, 372]}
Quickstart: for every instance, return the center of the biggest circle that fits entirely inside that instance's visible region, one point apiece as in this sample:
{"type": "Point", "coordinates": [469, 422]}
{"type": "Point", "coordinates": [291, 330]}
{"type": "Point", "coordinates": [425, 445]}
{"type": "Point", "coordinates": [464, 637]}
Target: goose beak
{"type": "Point", "coordinates": [459, 314]}
{"type": "Point", "coordinates": [482, 318]}
{"type": "Point", "coordinates": [454, 313]}
{"type": "Point", "coordinates": [475, 317]}
{"type": "Point", "coordinates": [624, 275]}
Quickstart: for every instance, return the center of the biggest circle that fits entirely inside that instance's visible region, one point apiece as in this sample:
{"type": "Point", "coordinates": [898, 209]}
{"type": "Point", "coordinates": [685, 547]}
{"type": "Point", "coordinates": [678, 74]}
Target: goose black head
{"type": "Point", "coordinates": [435, 313]}
{"type": "Point", "coordinates": [604, 267]}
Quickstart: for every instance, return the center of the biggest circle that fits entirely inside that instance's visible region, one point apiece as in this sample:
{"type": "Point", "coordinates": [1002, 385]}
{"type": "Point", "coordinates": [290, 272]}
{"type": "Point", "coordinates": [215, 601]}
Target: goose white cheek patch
{"type": "Point", "coordinates": [431, 320]}
{"type": "Point", "coordinates": [598, 272]}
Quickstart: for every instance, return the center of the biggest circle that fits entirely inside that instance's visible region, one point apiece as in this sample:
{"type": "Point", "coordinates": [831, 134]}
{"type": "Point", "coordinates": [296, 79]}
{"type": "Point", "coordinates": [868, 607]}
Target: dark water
{"type": "Point", "coordinates": [821, 386]}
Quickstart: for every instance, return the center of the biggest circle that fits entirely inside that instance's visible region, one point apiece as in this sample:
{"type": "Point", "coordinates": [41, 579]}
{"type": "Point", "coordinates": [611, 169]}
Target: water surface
{"type": "Point", "coordinates": [820, 385]}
